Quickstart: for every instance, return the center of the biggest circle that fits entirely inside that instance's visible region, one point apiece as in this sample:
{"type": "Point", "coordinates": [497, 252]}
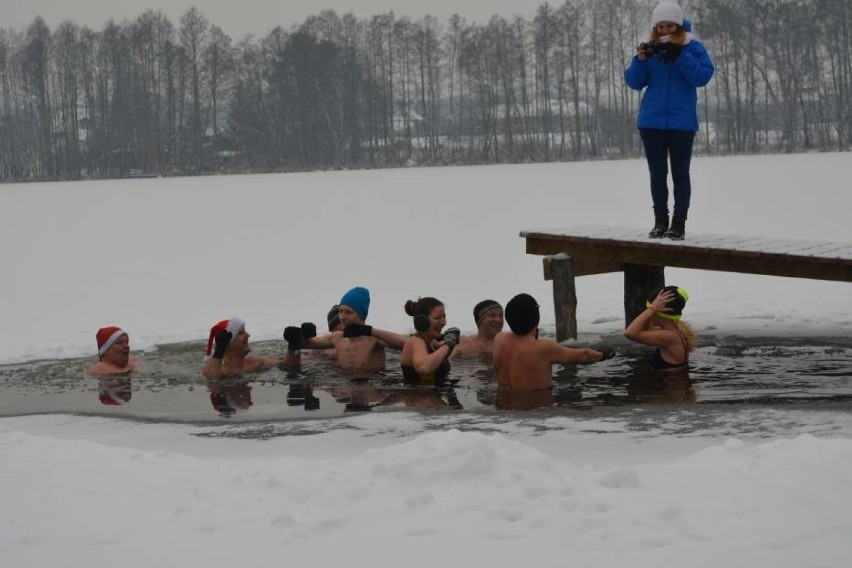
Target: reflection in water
{"type": "Point", "coordinates": [168, 386]}
{"type": "Point", "coordinates": [508, 399]}
{"type": "Point", "coordinates": [230, 394]}
{"type": "Point", "coordinates": [637, 382]}
{"type": "Point", "coordinates": [362, 396]}
{"type": "Point", "coordinates": [302, 395]}
{"type": "Point", "coordinates": [662, 388]}
{"type": "Point", "coordinates": [114, 390]}
{"type": "Point", "coordinates": [629, 381]}
{"type": "Point", "coordinates": [439, 396]}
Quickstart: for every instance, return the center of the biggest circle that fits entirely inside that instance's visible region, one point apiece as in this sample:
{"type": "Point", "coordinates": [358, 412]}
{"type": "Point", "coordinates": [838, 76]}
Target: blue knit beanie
{"type": "Point", "coordinates": [358, 299]}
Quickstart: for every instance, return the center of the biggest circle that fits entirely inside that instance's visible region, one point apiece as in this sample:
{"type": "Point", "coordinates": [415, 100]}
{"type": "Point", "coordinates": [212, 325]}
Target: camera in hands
{"type": "Point", "coordinates": [652, 48]}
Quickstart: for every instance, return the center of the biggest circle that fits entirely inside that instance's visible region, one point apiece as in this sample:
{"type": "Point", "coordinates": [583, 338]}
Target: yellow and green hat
{"type": "Point", "coordinates": [676, 304]}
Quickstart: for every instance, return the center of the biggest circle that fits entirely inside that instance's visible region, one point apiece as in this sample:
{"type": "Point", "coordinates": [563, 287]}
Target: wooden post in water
{"type": "Point", "coordinates": [564, 296]}
{"type": "Point", "coordinates": [639, 281]}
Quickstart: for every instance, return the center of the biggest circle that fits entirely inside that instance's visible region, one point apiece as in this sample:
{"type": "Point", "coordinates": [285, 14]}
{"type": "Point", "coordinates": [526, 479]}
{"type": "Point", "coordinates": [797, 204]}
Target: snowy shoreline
{"type": "Point", "coordinates": [559, 495]}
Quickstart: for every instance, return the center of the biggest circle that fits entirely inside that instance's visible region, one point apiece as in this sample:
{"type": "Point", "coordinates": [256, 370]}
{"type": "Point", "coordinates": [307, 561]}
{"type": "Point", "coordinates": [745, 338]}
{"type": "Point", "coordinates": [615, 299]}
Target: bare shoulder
{"type": "Point", "coordinates": [335, 337]}
{"type": "Point", "coordinates": [467, 346]}
{"type": "Point", "coordinates": [502, 338]}
{"type": "Point", "coordinates": [658, 337]}
{"type": "Point", "coordinates": [97, 369]}
{"type": "Point", "coordinates": [548, 346]}
{"type": "Point", "coordinates": [256, 363]}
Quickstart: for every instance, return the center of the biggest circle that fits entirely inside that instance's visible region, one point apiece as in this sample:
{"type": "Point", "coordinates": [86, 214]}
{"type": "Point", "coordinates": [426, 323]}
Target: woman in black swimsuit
{"type": "Point", "coordinates": [425, 356]}
{"type": "Point", "coordinates": [660, 326]}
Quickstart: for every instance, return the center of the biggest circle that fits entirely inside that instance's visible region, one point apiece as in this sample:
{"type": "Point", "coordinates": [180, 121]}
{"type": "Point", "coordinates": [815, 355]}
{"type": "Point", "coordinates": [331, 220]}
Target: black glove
{"type": "Point", "coordinates": [671, 52]}
{"type": "Point", "coordinates": [309, 330]}
{"type": "Point", "coordinates": [223, 339]}
{"type": "Point", "coordinates": [607, 353]}
{"type": "Point", "coordinates": [357, 330]}
{"type": "Point", "coordinates": [293, 335]}
{"type": "Point", "coordinates": [451, 337]}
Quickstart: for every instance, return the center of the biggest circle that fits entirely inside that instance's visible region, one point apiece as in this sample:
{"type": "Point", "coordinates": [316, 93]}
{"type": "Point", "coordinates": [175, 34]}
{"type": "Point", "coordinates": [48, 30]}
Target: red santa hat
{"type": "Point", "coordinates": [234, 325]}
{"type": "Point", "coordinates": [106, 336]}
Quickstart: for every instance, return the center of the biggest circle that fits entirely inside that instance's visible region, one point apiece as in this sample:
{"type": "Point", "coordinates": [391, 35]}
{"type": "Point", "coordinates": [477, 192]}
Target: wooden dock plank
{"type": "Point", "coordinates": [739, 243]}
{"type": "Point", "coordinates": [607, 246]}
{"type": "Point", "coordinates": [583, 251]}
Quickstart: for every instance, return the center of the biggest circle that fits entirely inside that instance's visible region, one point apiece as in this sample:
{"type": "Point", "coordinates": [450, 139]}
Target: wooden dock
{"type": "Point", "coordinates": [581, 251]}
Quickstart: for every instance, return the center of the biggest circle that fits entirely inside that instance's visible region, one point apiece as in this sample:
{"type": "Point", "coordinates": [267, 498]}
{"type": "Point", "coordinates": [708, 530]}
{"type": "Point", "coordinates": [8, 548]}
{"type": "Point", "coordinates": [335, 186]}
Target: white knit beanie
{"type": "Point", "coordinates": [667, 12]}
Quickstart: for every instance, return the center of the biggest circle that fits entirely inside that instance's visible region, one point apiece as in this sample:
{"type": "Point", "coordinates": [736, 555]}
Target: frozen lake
{"type": "Point", "coordinates": [749, 462]}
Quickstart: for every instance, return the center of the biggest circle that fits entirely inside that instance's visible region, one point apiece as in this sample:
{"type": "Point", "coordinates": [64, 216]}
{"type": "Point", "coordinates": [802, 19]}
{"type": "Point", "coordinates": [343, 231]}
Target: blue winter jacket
{"type": "Point", "coordinates": [671, 99]}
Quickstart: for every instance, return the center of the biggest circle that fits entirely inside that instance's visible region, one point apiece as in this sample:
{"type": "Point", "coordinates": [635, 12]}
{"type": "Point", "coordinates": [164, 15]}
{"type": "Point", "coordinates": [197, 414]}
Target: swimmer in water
{"type": "Point", "coordinates": [360, 348]}
{"type": "Point", "coordinates": [333, 319]}
{"type": "Point", "coordinates": [660, 326]}
{"type": "Point", "coordinates": [113, 353]}
{"type": "Point", "coordinates": [228, 351]}
{"type": "Point", "coordinates": [522, 361]}
{"type": "Point", "coordinates": [488, 315]}
{"type": "Point", "coordinates": [426, 354]}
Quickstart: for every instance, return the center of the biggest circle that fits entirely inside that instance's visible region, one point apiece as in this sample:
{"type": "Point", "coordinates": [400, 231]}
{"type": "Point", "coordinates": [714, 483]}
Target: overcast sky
{"type": "Point", "coordinates": [241, 17]}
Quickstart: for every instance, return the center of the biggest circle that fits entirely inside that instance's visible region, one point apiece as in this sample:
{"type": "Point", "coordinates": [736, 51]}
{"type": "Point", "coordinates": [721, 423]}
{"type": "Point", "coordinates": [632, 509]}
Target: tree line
{"type": "Point", "coordinates": [154, 96]}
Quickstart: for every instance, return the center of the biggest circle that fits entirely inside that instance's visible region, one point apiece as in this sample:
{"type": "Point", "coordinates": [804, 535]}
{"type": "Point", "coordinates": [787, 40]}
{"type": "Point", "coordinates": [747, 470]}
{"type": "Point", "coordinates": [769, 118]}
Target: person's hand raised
{"type": "Point", "coordinates": [662, 300]}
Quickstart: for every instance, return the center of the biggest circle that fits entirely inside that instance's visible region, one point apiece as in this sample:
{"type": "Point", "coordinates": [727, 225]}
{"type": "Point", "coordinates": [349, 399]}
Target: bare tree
{"type": "Point", "coordinates": [194, 37]}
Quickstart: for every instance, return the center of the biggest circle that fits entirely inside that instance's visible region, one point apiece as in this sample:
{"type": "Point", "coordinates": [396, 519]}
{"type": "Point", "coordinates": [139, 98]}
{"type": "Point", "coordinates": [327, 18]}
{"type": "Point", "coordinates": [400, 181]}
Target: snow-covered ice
{"type": "Point", "coordinates": [167, 258]}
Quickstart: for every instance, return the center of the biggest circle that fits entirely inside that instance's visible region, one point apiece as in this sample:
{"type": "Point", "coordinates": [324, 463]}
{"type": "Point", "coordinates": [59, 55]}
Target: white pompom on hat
{"type": "Point", "coordinates": [234, 325]}
{"type": "Point", "coordinates": [667, 12]}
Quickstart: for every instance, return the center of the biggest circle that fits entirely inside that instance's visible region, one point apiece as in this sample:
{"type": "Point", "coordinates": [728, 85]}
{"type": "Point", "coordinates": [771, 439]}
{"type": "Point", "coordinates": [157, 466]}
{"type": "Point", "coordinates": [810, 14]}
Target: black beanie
{"type": "Point", "coordinates": [333, 317]}
{"type": "Point", "coordinates": [522, 314]}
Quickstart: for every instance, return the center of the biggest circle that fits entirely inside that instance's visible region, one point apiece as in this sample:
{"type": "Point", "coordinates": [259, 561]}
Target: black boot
{"type": "Point", "coordinates": [661, 225]}
{"type": "Point", "coordinates": [677, 231]}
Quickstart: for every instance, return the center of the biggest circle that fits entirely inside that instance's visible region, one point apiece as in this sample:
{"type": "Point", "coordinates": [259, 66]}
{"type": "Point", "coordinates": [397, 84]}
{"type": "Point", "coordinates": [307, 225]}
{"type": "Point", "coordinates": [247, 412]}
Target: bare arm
{"type": "Point", "coordinates": [423, 361]}
{"type": "Point", "coordinates": [558, 353]}
{"type": "Point", "coordinates": [256, 363]}
{"type": "Point", "coordinates": [324, 342]}
{"type": "Point", "coordinates": [293, 356]}
{"type": "Point", "coordinates": [389, 338]}
{"type": "Point", "coordinates": [640, 329]}
{"type": "Point", "coordinates": [212, 368]}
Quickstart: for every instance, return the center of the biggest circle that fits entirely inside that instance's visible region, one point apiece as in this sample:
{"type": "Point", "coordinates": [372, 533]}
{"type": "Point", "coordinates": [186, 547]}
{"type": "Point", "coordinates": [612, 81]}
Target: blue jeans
{"type": "Point", "coordinates": [660, 146]}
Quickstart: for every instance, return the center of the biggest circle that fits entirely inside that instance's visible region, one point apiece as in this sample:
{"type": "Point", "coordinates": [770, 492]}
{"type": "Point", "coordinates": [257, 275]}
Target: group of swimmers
{"type": "Point", "coordinates": [521, 360]}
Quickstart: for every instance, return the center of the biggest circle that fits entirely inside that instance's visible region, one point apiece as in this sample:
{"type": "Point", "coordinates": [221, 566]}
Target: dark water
{"type": "Point", "coordinates": [168, 385]}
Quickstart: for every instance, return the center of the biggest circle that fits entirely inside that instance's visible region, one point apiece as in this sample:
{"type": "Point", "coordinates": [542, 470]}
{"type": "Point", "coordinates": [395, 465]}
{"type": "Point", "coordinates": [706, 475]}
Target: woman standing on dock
{"type": "Point", "coordinates": [660, 326]}
{"type": "Point", "coordinates": [672, 65]}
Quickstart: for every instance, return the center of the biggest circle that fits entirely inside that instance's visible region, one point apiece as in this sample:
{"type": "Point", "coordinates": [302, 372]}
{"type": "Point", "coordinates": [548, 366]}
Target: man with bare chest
{"type": "Point", "coordinates": [113, 353]}
{"type": "Point", "coordinates": [360, 348]}
{"type": "Point", "coordinates": [488, 315]}
{"type": "Point", "coordinates": [228, 351]}
{"type": "Point", "coordinates": [522, 361]}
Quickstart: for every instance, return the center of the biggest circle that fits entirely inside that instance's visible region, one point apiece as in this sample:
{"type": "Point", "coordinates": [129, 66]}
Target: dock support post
{"type": "Point", "coordinates": [639, 281]}
{"type": "Point", "coordinates": [564, 296]}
